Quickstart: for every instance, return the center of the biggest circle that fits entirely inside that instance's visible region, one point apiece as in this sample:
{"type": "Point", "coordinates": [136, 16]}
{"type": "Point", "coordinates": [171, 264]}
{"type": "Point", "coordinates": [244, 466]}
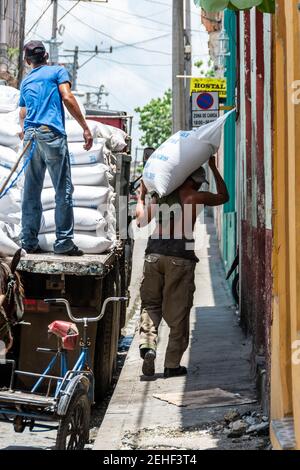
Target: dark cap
{"type": "Point", "coordinates": [34, 48]}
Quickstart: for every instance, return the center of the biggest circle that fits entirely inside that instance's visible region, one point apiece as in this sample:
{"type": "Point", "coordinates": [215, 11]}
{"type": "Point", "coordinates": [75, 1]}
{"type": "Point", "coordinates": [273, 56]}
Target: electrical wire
{"type": "Point", "coordinates": [39, 18]}
{"type": "Point", "coordinates": [122, 42]}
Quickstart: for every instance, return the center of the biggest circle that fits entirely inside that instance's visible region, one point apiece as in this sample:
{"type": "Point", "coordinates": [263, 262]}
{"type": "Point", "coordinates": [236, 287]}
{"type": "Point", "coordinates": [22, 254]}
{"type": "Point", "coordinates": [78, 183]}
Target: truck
{"type": "Point", "coordinates": [85, 282]}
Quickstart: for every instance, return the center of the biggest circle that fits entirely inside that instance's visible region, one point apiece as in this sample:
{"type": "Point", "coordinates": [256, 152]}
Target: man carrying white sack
{"type": "Point", "coordinates": [43, 92]}
{"type": "Point", "coordinates": [168, 286]}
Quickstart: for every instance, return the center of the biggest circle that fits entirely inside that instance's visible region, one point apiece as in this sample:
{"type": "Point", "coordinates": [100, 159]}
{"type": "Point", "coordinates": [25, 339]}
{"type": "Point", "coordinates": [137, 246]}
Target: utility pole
{"type": "Point", "coordinates": [75, 67]}
{"type": "Point", "coordinates": [3, 38]}
{"type": "Point", "coordinates": [21, 41]}
{"type": "Point", "coordinates": [187, 62]}
{"type": "Point", "coordinates": [75, 54]}
{"type": "Point", "coordinates": [179, 119]}
{"type": "Point", "coordinates": [54, 56]}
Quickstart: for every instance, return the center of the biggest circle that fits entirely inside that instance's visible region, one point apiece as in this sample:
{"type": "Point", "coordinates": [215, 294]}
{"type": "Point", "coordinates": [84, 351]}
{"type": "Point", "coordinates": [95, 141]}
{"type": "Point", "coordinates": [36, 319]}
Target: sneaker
{"type": "Point", "coordinates": [148, 368]}
{"type": "Point", "coordinates": [75, 251]}
{"type": "Point", "coordinates": [174, 372]}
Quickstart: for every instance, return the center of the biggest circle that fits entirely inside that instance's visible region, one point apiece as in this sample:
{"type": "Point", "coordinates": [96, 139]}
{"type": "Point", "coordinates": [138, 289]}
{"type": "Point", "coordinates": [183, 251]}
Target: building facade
{"type": "Point", "coordinates": [12, 22]}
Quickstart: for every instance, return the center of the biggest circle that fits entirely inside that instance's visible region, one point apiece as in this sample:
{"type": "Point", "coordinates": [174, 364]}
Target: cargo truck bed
{"type": "Point", "coordinates": [87, 265]}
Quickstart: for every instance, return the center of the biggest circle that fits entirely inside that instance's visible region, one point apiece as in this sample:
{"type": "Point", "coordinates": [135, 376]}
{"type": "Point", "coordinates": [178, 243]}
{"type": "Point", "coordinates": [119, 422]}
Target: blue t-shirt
{"type": "Point", "coordinates": [40, 95]}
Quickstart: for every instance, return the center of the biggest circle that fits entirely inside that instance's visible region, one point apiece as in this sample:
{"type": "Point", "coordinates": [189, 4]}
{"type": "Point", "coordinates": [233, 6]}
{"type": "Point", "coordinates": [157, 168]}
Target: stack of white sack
{"type": "Point", "coordinates": [10, 146]}
{"type": "Point", "coordinates": [182, 154]}
{"type": "Point", "coordinates": [93, 197]}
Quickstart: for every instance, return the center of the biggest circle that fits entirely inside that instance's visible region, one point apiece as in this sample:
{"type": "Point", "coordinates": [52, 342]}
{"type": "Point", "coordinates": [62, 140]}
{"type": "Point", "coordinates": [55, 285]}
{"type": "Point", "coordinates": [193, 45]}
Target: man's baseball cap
{"type": "Point", "coordinates": [34, 48]}
{"type": "Point", "coordinates": [199, 176]}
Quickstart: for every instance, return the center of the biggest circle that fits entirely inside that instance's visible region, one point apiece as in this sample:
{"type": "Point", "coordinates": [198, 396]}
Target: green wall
{"type": "Point", "coordinates": [229, 216]}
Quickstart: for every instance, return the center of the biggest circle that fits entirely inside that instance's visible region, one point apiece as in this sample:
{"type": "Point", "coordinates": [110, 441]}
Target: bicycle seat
{"type": "Point", "coordinates": [67, 332]}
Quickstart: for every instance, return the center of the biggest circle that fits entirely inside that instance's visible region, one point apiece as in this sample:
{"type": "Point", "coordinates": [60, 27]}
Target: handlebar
{"type": "Point", "coordinates": [85, 320]}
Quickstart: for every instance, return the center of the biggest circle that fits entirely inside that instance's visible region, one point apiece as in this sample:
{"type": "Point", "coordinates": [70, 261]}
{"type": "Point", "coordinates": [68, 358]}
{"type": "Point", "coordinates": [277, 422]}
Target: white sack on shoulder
{"type": "Point", "coordinates": [75, 132]}
{"type": "Point", "coordinates": [83, 196]}
{"type": "Point", "coordinates": [79, 156]}
{"type": "Point", "coordinates": [86, 220]}
{"type": "Point", "coordinates": [8, 157]}
{"type": "Point", "coordinates": [90, 244]}
{"type": "Point", "coordinates": [182, 154]}
{"type": "Point", "coordinates": [89, 175]}
{"type": "Point", "coordinates": [9, 98]}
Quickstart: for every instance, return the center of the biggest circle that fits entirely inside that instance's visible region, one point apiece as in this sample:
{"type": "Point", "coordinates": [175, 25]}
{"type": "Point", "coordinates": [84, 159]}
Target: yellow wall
{"type": "Point", "coordinates": [285, 375]}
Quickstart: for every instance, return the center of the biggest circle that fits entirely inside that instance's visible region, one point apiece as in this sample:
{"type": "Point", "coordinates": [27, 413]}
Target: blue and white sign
{"type": "Point", "coordinates": [205, 108]}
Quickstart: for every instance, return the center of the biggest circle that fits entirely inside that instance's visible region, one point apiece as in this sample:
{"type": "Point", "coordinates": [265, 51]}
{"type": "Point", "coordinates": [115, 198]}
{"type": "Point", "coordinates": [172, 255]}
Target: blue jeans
{"type": "Point", "coordinates": [51, 152]}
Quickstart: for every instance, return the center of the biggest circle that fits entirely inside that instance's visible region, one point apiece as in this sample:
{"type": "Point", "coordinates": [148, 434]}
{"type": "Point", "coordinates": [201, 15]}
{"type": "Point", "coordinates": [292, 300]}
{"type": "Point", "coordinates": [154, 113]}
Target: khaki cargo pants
{"type": "Point", "coordinates": [167, 291]}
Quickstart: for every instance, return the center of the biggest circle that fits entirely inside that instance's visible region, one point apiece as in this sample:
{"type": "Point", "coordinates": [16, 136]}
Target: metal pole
{"type": "Point", "coordinates": [53, 42]}
{"type": "Point", "coordinates": [75, 67]}
{"type": "Point", "coordinates": [178, 67]}
{"type": "Point", "coordinates": [3, 38]}
{"type": "Point", "coordinates": [21, 41]}
{"type": "Point", "coordinates": [188, 63]}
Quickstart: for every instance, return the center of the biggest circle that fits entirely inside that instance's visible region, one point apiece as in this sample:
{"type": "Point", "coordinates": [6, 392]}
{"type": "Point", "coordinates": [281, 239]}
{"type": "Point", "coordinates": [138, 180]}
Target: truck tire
{"type": "Point", "coordinates": [106, 342]}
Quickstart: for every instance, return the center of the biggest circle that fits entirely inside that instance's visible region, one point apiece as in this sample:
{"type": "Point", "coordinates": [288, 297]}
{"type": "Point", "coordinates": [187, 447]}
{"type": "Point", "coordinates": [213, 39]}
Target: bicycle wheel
{"type": "Point", "coordinates": [73, 430]}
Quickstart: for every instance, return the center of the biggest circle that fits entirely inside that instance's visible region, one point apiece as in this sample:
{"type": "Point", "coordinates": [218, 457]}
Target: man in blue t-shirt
{"type": "Point", "coordinates": [43, 92]}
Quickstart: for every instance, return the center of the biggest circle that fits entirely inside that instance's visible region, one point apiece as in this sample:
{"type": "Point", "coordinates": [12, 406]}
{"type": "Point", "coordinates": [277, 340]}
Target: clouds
{"type": "Point", "coordinates": [133, 75]}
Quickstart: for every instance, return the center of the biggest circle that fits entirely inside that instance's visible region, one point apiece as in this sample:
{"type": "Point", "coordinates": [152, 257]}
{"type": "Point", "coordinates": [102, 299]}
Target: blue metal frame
{"type": "Point", "coordinates": [79, 366]}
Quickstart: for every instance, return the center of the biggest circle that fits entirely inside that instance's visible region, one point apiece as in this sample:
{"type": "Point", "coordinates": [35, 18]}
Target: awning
{"type": "Point", "coordinates": [265, 6]}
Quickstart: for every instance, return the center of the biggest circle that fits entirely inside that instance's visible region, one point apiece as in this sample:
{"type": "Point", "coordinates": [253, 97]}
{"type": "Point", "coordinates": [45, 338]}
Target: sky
{"type": "Point", "coordinates": [132, 75]}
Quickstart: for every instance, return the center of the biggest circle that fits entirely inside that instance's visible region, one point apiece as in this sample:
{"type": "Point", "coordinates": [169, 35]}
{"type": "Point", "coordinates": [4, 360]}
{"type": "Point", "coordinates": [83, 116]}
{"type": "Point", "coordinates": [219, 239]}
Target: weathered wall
{"type": "Point", "coordinates": [255, 184]}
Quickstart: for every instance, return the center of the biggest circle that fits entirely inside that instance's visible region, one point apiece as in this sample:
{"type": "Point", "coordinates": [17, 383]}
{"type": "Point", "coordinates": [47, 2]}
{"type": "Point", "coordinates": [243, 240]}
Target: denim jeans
{"type": "Point", "coordinates": [51, 152]}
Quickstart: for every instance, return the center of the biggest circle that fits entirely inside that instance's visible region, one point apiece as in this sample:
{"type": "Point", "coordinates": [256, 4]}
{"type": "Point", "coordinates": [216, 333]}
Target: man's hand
{"type": "Point", "coordinates": [142, 190]}
{"type": "Point", "coordinates": [22, 135]}
{"type": "Point", "coordinates": [88, 138]}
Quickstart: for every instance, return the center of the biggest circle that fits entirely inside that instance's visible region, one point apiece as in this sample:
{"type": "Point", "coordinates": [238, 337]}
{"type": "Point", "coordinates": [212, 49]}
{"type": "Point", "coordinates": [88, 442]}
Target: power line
{"type": "Point", "coordinates": [72, 8]}
{"type": "Point", "coordinates": [118, 40]}
{"type": "Point", "coordinates": [133, 64]}
{"type": "Point", "coordinates": [39, 18]}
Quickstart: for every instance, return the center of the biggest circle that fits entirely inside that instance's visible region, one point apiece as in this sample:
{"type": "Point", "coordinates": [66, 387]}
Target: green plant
{"type": "Point", "coordinates": [156, 120]}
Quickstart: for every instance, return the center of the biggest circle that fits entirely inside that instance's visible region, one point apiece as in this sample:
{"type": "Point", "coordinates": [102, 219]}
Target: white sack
{"type": "Point", "coordinates": [116, 138]}
{"type": "Point", "coordinates": [182, 154]}
{"type": "Point", "coordinates": [75, 132]}
{"type": "Point", "coordinates": [85, 220]}
{"type": "Point", "coordinates": [9, 131]}
{"type": "Point", "coordinates": [7, 246]}
{"type": "Point", "coordinates": [90, 244]}
{"type": "Point", "coordinates": [79, 156]}
{"type": "Point", "coordinates": [89, 175]}
{"type": "Point", "coordinates": [83, 196]}
{"type": "Point", "coordinates": [9, 98]}
{"type": "Point", "coordinates": [5, 172]}
{"type": "Point", "coordinates": [10, 207]}
{"type": "Point", "coordinates": [8, 157]}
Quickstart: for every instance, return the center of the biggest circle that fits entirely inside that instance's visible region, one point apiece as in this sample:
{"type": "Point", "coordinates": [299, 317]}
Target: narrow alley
{"type": "Point", "coordinates": [186, 412]}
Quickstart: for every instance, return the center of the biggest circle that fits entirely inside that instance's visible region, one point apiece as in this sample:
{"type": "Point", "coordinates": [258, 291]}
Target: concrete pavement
{"type": "Point", "coordinates": [218, 357]}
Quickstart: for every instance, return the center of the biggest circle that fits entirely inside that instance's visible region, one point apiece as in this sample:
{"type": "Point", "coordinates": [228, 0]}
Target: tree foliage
{"type": "Point", "coordinates": [207, 71]}
{"type": "Point", "coordinates": [156, 120]}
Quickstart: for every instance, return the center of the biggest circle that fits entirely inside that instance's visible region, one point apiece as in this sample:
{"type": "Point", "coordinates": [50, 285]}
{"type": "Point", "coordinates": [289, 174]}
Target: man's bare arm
{"type": "Point", "coordinates": [207, 198]}
{"type": "Point", "coordinates": [72, 106]}
{"type": "Point", "coordinates": [144, 214]}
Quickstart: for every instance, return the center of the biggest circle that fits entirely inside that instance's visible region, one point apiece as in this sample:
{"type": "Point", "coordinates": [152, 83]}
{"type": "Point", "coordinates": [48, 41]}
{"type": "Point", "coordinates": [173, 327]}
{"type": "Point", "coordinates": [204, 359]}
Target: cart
{"type": "Point", "coordinates": [66, 404]}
